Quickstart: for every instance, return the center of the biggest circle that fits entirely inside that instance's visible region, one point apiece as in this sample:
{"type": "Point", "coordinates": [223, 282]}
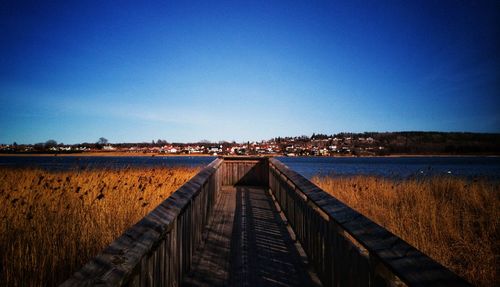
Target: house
{"type": "Point", "coordinates": [214, 150]}
{"type": "Point", "coordinates": [171, 149]}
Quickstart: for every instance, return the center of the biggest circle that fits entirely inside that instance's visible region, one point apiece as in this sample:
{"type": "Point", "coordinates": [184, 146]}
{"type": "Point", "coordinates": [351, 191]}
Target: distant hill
{"type": "Point", "coordinates": [432, 142]}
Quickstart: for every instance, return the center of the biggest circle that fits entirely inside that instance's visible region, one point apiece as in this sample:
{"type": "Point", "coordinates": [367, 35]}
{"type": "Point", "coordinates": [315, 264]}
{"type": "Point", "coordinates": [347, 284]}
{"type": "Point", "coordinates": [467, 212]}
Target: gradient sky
{"type": "Point", "coordinates": [136, 71]}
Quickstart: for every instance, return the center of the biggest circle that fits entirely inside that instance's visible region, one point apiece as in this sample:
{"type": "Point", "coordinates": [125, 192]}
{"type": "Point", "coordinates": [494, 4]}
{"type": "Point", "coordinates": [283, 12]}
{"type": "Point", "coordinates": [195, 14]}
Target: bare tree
{"type": "Point", "coordinates": [50, 143]}
{"type": "Point", "coordinates": [102, 141]}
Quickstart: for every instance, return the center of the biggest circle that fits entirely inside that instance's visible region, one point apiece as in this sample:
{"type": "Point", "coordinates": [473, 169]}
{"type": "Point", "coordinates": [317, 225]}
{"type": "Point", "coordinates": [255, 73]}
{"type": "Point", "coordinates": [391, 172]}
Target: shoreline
{"type": "Point", "coordinates": [131, 154]}
{"type": "Point", "coordinates": [102, 154]}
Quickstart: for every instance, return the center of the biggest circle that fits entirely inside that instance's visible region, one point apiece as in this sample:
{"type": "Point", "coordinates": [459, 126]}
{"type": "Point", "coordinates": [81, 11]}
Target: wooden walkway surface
{"type": "Point", "coordinates": [248, 245]}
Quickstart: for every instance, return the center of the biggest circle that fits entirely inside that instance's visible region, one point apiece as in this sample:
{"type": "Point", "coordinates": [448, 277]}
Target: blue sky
{"type": "Point", "coordinates": [186, 71]}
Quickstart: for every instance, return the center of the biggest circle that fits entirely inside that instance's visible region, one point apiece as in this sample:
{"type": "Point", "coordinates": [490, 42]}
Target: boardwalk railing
{"type": "Point", "coordinates": [344, 247]}
{"type": "Point", "coordinates": [157, 251]}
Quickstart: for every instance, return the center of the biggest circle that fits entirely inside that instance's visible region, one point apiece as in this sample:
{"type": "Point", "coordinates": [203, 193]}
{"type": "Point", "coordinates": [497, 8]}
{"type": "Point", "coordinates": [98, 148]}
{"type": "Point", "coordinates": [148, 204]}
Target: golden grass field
{"type": "Point", "coordinates": [455, 221]}
{"type": "Point", "coordinates": [54, 222]}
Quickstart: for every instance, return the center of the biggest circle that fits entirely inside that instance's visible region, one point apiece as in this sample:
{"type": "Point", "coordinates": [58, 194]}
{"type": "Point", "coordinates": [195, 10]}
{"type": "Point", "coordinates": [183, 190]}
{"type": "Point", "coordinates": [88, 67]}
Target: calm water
{"type": "Point", "coordinates": [396, 167]}
{"type": "Point", "coordinates": [308, 166]}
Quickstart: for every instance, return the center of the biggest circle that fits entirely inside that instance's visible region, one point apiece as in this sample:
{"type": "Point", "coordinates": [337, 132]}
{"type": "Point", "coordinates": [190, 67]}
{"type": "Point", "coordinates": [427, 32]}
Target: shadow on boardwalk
{"type": "Point", "coordinates": [247, 245]}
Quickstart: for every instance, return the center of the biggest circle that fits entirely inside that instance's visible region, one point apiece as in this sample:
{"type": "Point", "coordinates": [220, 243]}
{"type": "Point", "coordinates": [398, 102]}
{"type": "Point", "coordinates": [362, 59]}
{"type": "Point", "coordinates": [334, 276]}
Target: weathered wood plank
{"type": "Point", "coordinates": [398, 257]}
{"type": "Point", "coordinates": [245, 171]}
{"type": "Point", "coordinates": [211, 265]}
{"type": "Point", "coordinates": [248, 245]}
{"type": "Point", "coordinates": [130, 257]}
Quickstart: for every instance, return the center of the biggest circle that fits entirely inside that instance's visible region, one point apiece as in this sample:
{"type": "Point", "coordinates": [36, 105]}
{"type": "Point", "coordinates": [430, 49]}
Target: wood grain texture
{"type": "Point", "coordinates": [345, 247]}
{"type": "Point", "coordinates": [248, 245]}
{"type": "Point", "coordinates": [133, 257]}
{"type": "Point", "coordinates": [222, 228]}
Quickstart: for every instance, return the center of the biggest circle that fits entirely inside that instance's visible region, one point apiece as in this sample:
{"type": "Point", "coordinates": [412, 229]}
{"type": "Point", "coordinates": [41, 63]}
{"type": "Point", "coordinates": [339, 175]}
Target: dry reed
{"type": "Point", "coordinates": [453, 220]}
{"type": "Point", "coordinates": [54, 222]}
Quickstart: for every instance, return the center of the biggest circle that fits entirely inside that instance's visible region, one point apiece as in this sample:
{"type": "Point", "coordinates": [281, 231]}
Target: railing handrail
{"type": "Point", "coordinates": [243, 157]}
{"type": "Point", "coordinates": [410, 265]}
{"type": "Point", "coordinates": [160, 246]}
{"type": "Point", "coordinates": [116, 264]}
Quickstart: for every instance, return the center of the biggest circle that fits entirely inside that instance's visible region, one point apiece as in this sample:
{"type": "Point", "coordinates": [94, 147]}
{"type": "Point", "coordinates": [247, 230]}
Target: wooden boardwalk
{"type": "Point", "coordinates": [248, 245]}
{"type": "Point", "coordinates": [222, 228]}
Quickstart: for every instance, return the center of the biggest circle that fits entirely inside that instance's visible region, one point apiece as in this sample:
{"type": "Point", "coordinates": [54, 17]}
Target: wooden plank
{"type": "Point", "coordinates": [211, 265]}
{"type": "Point", "coordinates": [248, 245]}
{"type": "Point", "coordinates": [117, 264]}
{"type": "Point", "coordinates": [245, 171]}
{"type": "Point", "coordinates": [404, 261]}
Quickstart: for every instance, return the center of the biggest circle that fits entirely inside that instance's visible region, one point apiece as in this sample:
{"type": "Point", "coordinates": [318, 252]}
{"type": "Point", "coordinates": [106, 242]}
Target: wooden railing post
{"type": "Point", "coordinates": [346, 248]}
{"type": "Point", "coordinates": [158, 250]}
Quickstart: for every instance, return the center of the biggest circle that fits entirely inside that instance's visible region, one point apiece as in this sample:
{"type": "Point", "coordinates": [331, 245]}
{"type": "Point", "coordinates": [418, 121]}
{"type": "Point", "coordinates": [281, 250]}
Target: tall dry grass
{"type": "Point", "coordinates": [53, 222]}
{"type": "Point", "coordinates": [453, 220]}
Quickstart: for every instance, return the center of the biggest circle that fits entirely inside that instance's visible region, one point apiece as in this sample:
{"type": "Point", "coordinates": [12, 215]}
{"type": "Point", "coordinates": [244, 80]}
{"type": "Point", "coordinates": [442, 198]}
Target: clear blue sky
{"type": "Point", "coordinates": [186, 71]}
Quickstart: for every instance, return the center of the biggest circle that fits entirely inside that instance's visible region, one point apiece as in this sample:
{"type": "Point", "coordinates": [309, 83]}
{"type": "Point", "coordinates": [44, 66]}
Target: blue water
{"type": "Point", "coordinates": [396, 167]}
{"type": "Point", "coordinates": [403, 167]}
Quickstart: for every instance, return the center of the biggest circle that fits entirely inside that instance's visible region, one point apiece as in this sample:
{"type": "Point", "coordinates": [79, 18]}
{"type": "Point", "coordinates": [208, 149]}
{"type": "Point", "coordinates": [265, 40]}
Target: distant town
{"type": "Point", "coordinates": [342, 144]}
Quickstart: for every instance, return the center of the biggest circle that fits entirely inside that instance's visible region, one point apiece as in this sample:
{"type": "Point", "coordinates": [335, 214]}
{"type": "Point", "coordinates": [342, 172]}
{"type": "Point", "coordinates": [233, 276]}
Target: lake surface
{"type": "Point", "coordinates": [393, 167]}
{"type": "Point", "coordinates": [396, 167]}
